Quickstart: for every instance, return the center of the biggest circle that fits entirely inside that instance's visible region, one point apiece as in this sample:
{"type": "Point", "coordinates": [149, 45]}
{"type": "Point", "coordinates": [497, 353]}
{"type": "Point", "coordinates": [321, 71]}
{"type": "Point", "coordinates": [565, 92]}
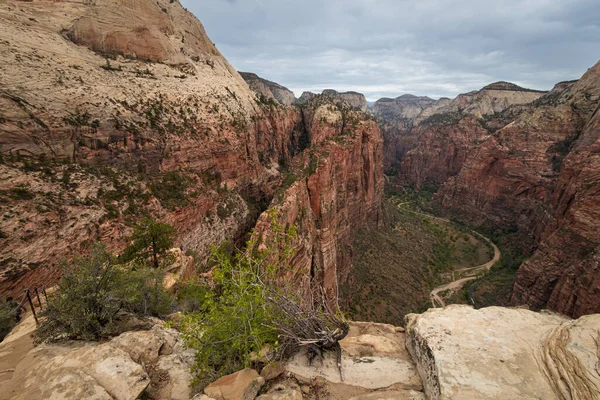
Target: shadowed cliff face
{"type": "Point", "coordinates": [110, 111]}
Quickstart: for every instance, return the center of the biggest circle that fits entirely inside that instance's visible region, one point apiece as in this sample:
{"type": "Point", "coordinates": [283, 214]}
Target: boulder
{"type": "Point", "coordinates": [77, 370]}
{"type": "Point", "coordinates": [373, 357]}
{"type": "Point", "coordinates": [242, 385]}
{"type": "Point", "coordinates": [152, 362]}
{"type": "Point", "coordinates": [272, 371]}
{"type": "Point", "coordinates": [502, 353]}
{"type": "Point", "coordinates": [287, 391]}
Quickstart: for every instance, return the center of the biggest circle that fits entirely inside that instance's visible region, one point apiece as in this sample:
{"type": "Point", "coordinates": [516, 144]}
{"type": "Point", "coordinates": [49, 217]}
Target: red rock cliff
{"type": "Point", "coordinates": [338, 188]}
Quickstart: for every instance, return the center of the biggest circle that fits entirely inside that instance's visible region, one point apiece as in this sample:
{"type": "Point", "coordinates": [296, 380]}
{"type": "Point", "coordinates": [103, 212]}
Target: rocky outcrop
{"type": "Point", "coordinates": [335, 188]}
{"type": "Point", "coordinates": [270, 90]}
{"type": "Point", "coordinates": [373, 357]}
{"type": "Point", "coordinates": [407, 106]}
{"type": "Point", "coordinates": [242, 385]}
{"type": "Point", "coordinates": [504, 353]}
{"type": "Point", "coordinates": [152, 362]}
{"type": "Point", "coordinates": [564, 273]}
{"type": "Point", "coordinates": [356, 101]}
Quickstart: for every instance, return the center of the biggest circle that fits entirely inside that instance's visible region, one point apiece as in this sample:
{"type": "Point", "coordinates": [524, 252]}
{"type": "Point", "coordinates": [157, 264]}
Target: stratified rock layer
{"type": "Point", "coordinates": [335, 188]}
{"type": "Point", "coordinates": [539, 175]}
{"type": "Point", "coordinates": [500, 353]}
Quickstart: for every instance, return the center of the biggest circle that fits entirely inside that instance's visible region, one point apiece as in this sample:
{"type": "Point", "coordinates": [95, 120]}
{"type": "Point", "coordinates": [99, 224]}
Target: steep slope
{"type": "Point", "coordinates": [335, 188]}
{"type": "Point", "coordinates": [519, 179]}
{"type": "Point", "coordinates": [270, 90]}
{"type": "Point", "coordinates": [111, 111]}
{"type": "Point", "coordinates": [356, 100]}
{"type": "Point", "coordinates": [114, 111]}
{"type": "Point", "coordinates": [428, 140]}
{"type": "Point", "coordinates": [564, 273]}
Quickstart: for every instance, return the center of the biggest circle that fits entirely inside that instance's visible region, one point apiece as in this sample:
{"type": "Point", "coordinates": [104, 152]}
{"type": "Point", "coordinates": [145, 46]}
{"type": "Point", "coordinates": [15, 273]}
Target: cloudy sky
{"type": "Point", "coordinates": [385, 48]}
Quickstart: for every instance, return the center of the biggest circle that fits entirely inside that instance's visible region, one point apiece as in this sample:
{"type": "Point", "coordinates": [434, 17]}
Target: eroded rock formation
{"type": "Point", "coordinates": [335, 188]}
{"type": "Point", "coordinates": [270, 90]}
{"type": "Point", "coordinates": [110, 111]}
{"type": "Point", "coordinates": [514, 160]}
{"type": "Point", "coordinates": [355, 100]}
{"type": "Point", "coordinates": [504, 353]}
{"type": "Point", "coordinates": [538, 174]}
{"type": "Point", "coordinates": [428, 140]}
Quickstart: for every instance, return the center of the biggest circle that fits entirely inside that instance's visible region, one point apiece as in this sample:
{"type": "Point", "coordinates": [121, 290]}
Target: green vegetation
{"type": "Point", "coordinates": [449, 118]}
{"type": "Point", "coordinates": [248, 310]}
{"type": "Point", "coordinates": [95, 294]}
{"type": "Point", "coordinates": [151, 241]}
{"type": "Point", "coordinates": [21, 192]}
{"type": "Point", "coordinates": [171, 189]}
{"type": "Point", "coordinates": [8, 318]}
{"type": "Point", "coordinates": [261, 99]}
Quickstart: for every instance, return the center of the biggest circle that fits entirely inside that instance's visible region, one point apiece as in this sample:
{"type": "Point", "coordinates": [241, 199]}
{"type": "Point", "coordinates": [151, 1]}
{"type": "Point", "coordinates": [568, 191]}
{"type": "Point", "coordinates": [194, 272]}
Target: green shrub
{"type": "Point", "coordinates": [8, 318]}
{"type": "Point", "coordinates": [171, 190]}
{"type": "Point", "coordinates": [234, 320]}
{"type": "Point", "coordinates": [249, 308]}
{"type": "Point", "coordinates": [95, 293]}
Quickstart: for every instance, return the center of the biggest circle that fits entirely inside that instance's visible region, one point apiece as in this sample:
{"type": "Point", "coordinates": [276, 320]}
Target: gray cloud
{"type": "Point", "coordinates": [385, 48]}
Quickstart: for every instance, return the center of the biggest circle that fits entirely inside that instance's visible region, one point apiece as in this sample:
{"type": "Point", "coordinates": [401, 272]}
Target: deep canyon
{"type": "Point", "coordinates": [109, 112]}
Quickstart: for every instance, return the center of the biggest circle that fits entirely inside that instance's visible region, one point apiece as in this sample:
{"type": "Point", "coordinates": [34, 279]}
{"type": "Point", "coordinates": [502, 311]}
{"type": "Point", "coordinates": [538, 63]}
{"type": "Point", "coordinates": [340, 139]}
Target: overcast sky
{"type": "Point", "coordinates": [385, 48]}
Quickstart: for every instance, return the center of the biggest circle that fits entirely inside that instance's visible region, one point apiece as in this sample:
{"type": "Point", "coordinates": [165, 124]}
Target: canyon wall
{"type": "Point", "coordinates": [268, 89]}
{"type": "Point", "coordinates": [516, 161]}
{"type": "Point", "coordinates": [428, 140]}
{"type": "Point", "coordinates": [335, 189]}
{"type": "Point", "coordinates": [109, 112]}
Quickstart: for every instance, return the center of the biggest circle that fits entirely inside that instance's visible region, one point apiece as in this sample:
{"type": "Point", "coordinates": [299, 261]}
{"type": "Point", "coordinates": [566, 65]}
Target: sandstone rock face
{"type": "Point", "coordinates": [499, 353]}
{"type": "Point", "coordinates": [305, 98]}
{"type": "Point", "coordinates": [137, 87]}
{"type": "Point", "coordinates": [428, 140]}
{"type": "Point", "coordinates": [243, 385]}
{"type": "Point", "coordinates": [160, 31]}
{"type": "Point", "coordinates": [355, 100]}
{"type": "Point", "coordinates": [118, 369]}
{"type": "Point", "coordinates": [337, 187]}
{"type": "Point", "coordinates": [406, 106]}
{"type": "Point", "coordinates": [564, 273]}
{"type": "Point", "coordinates": [270, 90]}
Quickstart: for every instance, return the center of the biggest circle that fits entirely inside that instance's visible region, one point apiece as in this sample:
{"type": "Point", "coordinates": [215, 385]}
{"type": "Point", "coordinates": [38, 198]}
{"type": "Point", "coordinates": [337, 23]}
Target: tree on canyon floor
{"type": "Point", "coordinates": [251, 317]}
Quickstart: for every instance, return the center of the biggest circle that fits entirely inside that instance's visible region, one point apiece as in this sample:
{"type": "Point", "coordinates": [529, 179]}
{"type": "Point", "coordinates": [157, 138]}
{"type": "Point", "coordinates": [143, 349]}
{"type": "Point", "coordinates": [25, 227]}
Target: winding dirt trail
{"type": "Point", "coordinates": [471, 273]}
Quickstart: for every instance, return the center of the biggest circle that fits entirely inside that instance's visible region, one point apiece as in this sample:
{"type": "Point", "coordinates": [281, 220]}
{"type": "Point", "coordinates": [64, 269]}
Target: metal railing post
{"type": "Point", "coordinates": [31, 305]}
{"type": "Point", "coordinates": [44, 292]}
{"type": "Point", "coordinates": [37, 294]}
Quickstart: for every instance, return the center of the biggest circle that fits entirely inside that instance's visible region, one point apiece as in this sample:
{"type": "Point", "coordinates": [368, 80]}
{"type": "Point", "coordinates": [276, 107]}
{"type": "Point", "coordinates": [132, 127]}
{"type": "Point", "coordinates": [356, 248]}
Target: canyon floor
{"type": "Point", "coordinates": [398, 267]}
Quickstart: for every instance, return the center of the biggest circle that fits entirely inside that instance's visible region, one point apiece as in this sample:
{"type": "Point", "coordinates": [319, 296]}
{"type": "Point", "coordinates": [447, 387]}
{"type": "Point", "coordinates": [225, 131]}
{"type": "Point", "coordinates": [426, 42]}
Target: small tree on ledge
{"type": "Point", "coordinates": [151, 240]}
